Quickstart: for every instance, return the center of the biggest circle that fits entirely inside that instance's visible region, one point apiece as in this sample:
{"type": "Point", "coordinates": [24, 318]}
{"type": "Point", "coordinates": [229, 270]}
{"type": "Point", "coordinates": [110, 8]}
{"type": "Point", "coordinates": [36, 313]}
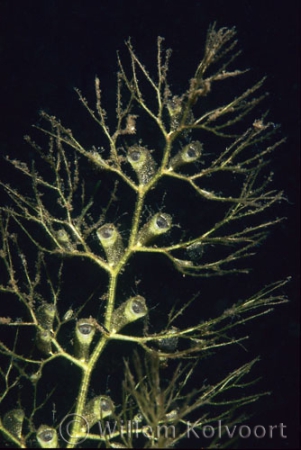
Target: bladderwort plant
{"type": "Point", "coordinates": [106, 253]}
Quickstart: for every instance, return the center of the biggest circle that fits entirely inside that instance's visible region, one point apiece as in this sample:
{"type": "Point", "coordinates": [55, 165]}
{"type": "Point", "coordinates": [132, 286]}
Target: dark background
{"type": "Point", "coordinates": [49, 47]}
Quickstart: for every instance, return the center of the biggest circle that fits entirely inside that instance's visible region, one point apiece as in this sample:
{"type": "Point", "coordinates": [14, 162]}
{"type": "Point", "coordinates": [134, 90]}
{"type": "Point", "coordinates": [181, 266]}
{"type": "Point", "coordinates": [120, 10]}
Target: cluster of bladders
{"type": "Point", "coordinates": [131, 310]}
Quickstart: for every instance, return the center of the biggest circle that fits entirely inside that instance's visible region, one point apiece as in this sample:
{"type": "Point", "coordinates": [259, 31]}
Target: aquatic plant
{"type": "Point", "coordinates": [107, 252]}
